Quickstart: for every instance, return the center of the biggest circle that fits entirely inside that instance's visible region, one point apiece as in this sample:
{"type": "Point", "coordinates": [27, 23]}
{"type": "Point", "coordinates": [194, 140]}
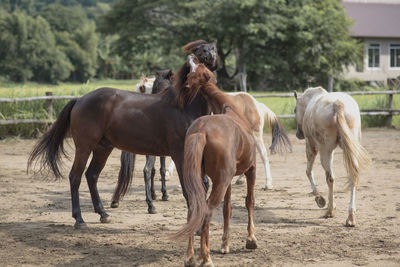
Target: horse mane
{"type": "Point", "coordinates": [179, 81]}
{"type": "Point", "coordinates": [188, 48]}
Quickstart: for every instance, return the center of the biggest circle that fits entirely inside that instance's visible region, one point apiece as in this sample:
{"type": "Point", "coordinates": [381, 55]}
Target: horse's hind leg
{"type": "Point", "coordinates": [150, 160]}
{"type": "Point", "coordinates": [264, 156]}
{"type": "Point", "coordinates": [163, 184]}
{"type": "Point", "coordinates": [100, 156]}
{"type": "Point", "coordinates": [326, 161]}
{"type": "Point", "coordinates": [75, 176]}
{"type": "Point", "coordinates": [351, 220]}
{"type": "Point", "coordinates": [251, 242]}
{"type": "Point", "coordinates": [311, 153]}
{"type": "Point", "coordinates": [227, 216]}
{"type": "Point", "coordinates": [218, 191]}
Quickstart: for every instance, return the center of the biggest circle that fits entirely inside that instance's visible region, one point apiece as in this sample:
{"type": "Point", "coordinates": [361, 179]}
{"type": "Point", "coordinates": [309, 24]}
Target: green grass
{"type": "Point", "coordinates": [37, 109]}
{"type": "Point", "coordinates": [286, 106]}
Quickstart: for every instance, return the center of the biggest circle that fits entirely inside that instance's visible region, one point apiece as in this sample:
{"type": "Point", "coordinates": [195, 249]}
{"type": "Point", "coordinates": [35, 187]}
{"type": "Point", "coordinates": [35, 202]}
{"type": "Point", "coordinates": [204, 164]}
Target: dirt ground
{"type": "Point", "coordinates": [36, 227]}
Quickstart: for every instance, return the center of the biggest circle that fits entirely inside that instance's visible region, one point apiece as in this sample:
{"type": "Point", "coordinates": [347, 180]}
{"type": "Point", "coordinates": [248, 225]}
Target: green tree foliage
{"type": "Point", "coordinates": [52, 44]}
{"type": "Point", "coordinates": [76, 37]}
{"type": "Point", "coordinates": [279, 44]}
{"type": "Point", "coordinates": [28, 49]}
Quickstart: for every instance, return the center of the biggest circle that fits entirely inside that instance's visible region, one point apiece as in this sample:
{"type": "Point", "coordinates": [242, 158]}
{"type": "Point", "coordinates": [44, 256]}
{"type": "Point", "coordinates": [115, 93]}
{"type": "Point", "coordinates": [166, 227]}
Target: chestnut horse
{"type": "Point", "coordinates": [327, 120]}
{"type": "Point", "coordinates": [146, 124]}
{"type": "Point", "coordinates": [258, 115]}
{"type": "Point", "coordinates": [220, 146]}
{"type": "Point", "coordinates": [161, 82]}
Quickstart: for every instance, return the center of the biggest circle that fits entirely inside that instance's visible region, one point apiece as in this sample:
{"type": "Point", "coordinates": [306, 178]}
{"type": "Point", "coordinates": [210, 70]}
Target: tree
{"type": "Point", "coordinates": [278, 44]}
{"type": "Point", "coordinates": [28, 50]}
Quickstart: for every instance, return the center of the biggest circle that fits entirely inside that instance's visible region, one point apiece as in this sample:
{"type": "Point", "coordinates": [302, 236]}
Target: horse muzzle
{"type": "Point", "coordinates": [299, 134]}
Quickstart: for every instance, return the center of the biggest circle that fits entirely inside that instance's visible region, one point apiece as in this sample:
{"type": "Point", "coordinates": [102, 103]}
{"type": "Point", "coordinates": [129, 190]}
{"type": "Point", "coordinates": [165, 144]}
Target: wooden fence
{"type": "Point", "coordinates": [389, 111]}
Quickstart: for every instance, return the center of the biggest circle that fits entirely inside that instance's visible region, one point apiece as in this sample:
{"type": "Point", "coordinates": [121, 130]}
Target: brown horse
{"type": "Point", "coordinates": [220, 146]}
{"type": "Point", "coordinates": [153, 124]}
{"type": "Point", "coordinates": [161, 82]}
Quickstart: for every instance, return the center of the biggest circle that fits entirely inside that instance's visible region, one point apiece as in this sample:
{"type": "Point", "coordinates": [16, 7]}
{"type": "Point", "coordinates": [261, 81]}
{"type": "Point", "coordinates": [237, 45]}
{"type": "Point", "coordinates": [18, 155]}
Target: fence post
{"type": "Point", "coordinates": [49, 106]}
{"type": "Point", "coordinates": [390, 105]}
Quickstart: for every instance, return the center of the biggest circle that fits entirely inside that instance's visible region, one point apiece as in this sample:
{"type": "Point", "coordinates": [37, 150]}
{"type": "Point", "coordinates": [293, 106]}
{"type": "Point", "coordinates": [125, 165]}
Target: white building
{"type": "Point", "coordinates": [377, 23]}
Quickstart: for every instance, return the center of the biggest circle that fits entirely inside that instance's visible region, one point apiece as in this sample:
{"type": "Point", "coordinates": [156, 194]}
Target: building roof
{"type": "Point", "coordinates": [374, 19]}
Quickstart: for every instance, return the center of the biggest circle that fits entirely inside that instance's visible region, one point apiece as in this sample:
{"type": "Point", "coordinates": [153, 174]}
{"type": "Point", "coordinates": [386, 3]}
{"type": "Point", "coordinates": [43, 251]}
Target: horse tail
{"type": "Point", "coordinates": [51, 145]}
{"type": "Point", "coordinates": [125, 176]}
{"type": "Point", "coordinates": [192, 182]}
{"type": "Point", "coordinates": [354, 154]}
{"type": "Point", "coordinates": [280, 140]}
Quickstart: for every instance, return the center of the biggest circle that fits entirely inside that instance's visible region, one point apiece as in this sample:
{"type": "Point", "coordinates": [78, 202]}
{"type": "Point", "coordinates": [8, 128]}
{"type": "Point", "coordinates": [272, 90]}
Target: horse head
{"type": "Point", "coordinates": [162, 81]}
{"type": "Point", "coordinates": [205, 52]}
{"type": "Point", "coordinates": [145, 85]}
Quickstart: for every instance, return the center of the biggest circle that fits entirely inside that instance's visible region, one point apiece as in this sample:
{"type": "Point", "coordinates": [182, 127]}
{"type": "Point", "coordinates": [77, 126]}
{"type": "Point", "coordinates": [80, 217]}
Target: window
{"type": "Point", "coordinates": [373, 56]}
{"type": "Point", "coordinates": [394, 55]}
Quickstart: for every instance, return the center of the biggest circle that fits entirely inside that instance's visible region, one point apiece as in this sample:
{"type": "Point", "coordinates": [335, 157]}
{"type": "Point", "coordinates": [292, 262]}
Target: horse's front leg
{"type": "Point", "coordinates": [311, 153]}
{"type": "Point", "coordinates": [163, 183]}
{"type": "Point", "coordinates": [227, 211]}
{"type": "Point", "coordinates": [75, 177]}
{"type": "Point", "coordinates": [150, 160]}
{"type": "Point", "coordinates": [251, 242]}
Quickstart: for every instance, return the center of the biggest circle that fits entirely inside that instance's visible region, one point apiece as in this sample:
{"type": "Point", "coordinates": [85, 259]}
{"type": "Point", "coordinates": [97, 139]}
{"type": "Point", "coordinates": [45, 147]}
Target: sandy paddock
{"type": "Point", "coordinates": [36, 227]}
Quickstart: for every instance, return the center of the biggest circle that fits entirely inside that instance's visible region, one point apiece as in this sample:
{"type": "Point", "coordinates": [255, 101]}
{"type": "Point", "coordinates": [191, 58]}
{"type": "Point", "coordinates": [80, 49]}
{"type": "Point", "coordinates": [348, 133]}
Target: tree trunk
{"type": "Point", "coordinates": [330, 83]}
{"type": "Point", "coordinates": [242, 73]}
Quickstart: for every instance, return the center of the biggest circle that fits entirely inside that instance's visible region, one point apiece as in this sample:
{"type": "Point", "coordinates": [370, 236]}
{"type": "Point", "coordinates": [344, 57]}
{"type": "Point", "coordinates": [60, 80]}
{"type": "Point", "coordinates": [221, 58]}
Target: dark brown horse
{"type": "Point", "coordinates": [220, 146]}
{"type": "Point", "coordinates": [163, 80]}
{"type": "Point", "coordinates": [153, 124]}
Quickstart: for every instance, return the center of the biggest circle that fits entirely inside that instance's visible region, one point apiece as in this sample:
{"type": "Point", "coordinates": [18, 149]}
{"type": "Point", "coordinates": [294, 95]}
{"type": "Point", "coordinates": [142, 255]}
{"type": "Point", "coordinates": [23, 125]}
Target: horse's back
{"type": "Point", "coordinates": [321, 114]}
{"type": "Point", "coordinates": [247, 105]}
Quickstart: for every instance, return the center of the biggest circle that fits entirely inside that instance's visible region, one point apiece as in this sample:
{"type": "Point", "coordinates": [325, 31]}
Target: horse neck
{"type": "Point", "coordinates": [222, 103]}
{"type": "Point", "coordinates": [215, 97]}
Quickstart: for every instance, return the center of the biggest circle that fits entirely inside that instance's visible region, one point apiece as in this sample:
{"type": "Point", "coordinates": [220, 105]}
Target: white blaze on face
{"type": "Point", "coordinates": [192, 64]}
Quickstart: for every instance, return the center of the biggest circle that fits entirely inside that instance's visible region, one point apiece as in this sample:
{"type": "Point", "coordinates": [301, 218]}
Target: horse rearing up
{"type": "Point", "coordinates": [146, 124]}
{"type": "Point", "coordinates": [326, 120]}
{"type": "Point", "coordinates": [220, 146]}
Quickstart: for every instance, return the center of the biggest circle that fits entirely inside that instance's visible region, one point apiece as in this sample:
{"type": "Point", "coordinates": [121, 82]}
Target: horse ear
{"type": "Point", "coordinates": [170, 74]}
{"type": "Point", "coordinates": [295, 95]}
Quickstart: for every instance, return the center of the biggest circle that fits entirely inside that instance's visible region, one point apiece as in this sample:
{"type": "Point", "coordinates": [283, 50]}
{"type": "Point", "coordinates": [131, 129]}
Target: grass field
{"type": "Point", "coordinates": [37, 109]}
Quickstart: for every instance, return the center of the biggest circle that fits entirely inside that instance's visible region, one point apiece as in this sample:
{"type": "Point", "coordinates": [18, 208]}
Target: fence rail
{"type": "Point", "coordinates": [389, 112]}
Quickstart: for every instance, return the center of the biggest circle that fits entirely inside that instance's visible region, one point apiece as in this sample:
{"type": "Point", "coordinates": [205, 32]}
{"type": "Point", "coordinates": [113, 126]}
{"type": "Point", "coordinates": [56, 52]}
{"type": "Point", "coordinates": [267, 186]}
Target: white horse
{"type": "Point", "coordinates": [326, 120]}
{"type": "Point", "coordinates": [258, 115]}
{"type": "Point", "coordinates": [145, 85]}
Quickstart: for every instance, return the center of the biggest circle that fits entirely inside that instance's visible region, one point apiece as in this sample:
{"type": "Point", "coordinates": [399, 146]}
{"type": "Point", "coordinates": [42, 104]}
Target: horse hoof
{"type": "Point", "coordinates": [268, 187]}
{"type": "Point", "coordinates": [80, 226]}
{"type": "Point", "coordinates": [328, 214]}
{"type": "Point", "coordinates": [351, 221]}
{"type": "Point", "coordinates": [239, 181]}
{"type": "Point", "coordinates": [320, 201]}
{"type": "Point", "coordinates": [251, 244]}
{"type": "Point", "coordinates": [225, 250]}
{"type": "Point", "coordinates": [106, 219]}
{"type": "Point", "coordinates": [165, 198]}
{"type": "Point", "coordinates": [153, 196]}
{"type": "Point", "coordinates": [190, 263]}
{"type": "Point", "coordinates": [152, 210]}
{"type": "Point", "coordinates": [207, 263]}
{"type": "Point", "coordinates": [114, 204]}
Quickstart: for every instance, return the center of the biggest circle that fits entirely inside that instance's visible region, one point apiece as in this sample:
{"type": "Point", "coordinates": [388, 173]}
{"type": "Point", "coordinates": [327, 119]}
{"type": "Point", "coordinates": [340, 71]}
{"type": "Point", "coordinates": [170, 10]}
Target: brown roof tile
{"type": "Point", "coordinates": [374, 19]}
